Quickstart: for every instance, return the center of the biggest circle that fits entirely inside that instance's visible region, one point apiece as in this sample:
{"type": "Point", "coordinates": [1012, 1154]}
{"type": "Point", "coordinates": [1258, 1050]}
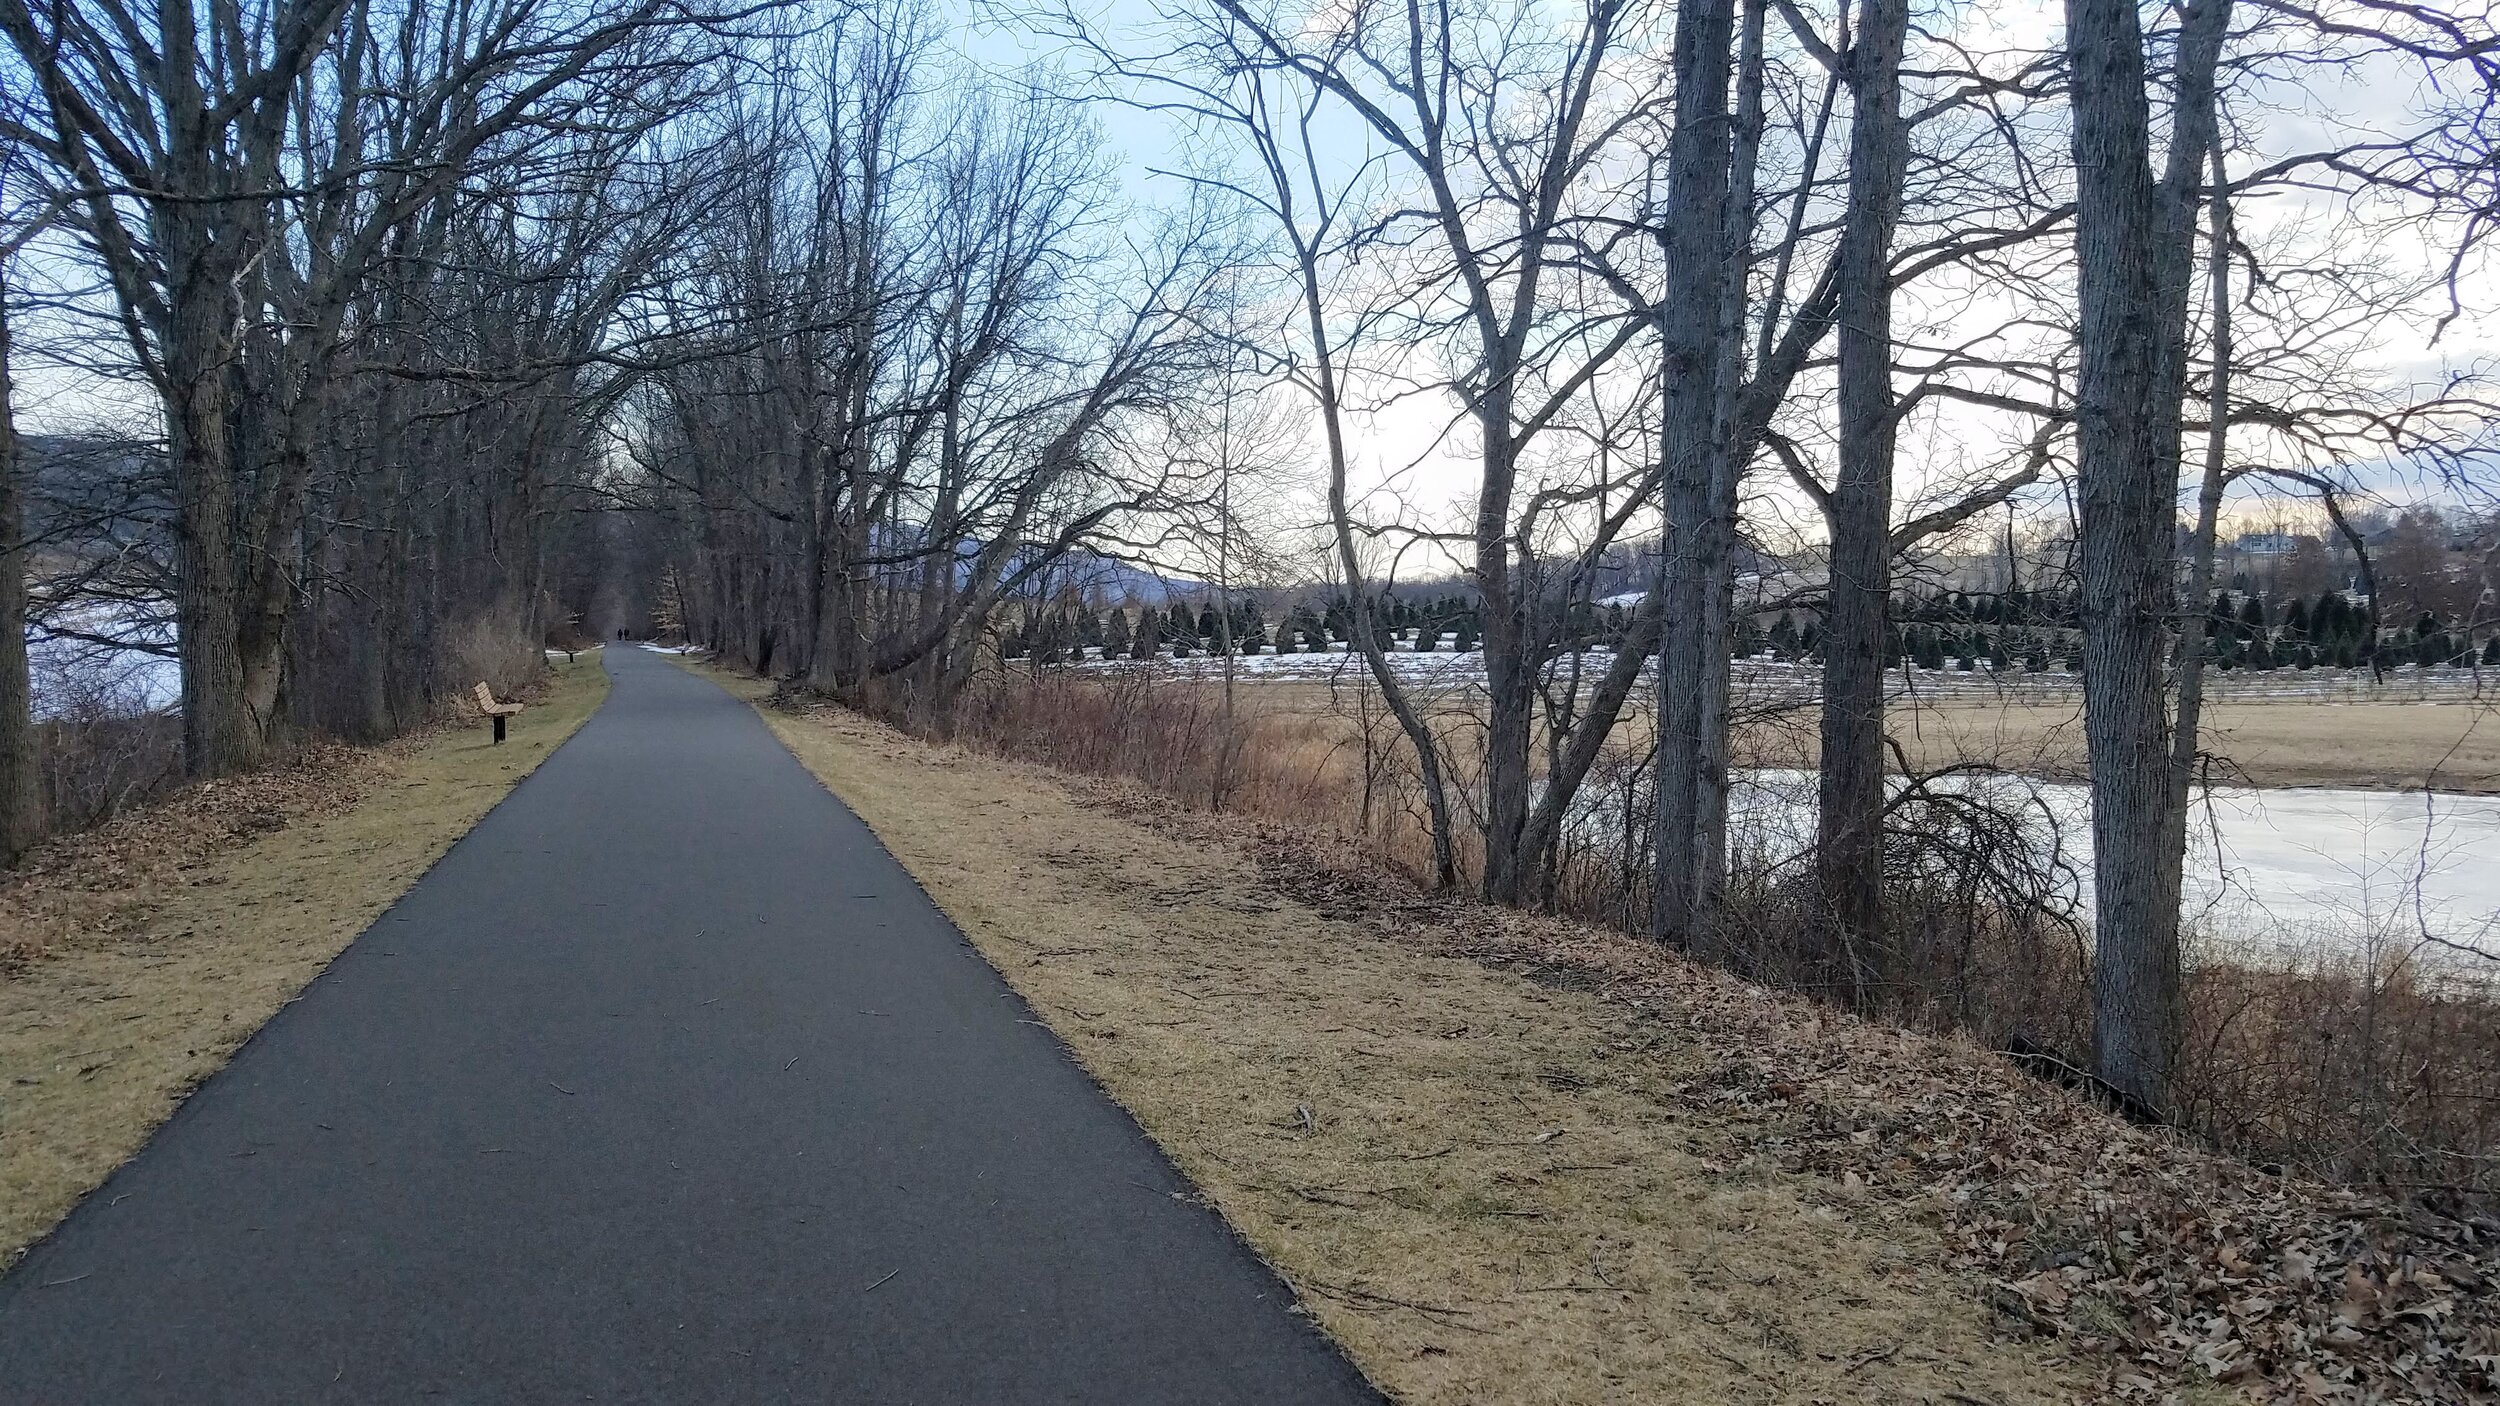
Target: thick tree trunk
{"type": "Point", "coordinates": [2133, 243]}
{"type": "Point", "coordinates": [1849, 832]}
{"type": "Point", "coordinates": [1510, 668]}
{"type": "Point", "coordinates": [220, 734]}
{"type": "Point", "coordinates": [21, 791]}
{"type": "Point", "coordinates": [1715, 639]}
{"type": "Point", "coordinates": [833, 660]}
{"type": "Point", "coordinates": [1693, 439]}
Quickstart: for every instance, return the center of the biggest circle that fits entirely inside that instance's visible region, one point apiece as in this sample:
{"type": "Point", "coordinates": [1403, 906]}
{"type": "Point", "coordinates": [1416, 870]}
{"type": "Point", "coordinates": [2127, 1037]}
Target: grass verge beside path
{"type": "Point", "coordinates": [135, 959]}
{"type": "Point", "coordinates": [1489, 1185]}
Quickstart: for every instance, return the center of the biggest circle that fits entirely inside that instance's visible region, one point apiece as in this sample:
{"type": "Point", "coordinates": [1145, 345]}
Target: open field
{"type": "Point", "coordinates": [2318, 739]}
{"type": "Point", "coordinates": [2285, 742]}
{"type": "Point", "coordinates": [134, 960]}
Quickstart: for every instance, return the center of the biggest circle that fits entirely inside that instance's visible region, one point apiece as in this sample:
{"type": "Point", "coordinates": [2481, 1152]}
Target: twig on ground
{"type": "Point", "coordinates": [1439, 1313]}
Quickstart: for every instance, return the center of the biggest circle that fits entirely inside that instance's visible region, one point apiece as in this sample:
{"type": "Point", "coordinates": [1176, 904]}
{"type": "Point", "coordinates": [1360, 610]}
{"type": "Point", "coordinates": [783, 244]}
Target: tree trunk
{"type": "Point", "coordinates": [2133, 251]}
{"type": "Point", "coordinates": [1692, 440]}
{"type": "Point", "coordinates": [21, 791]}
{"type": "Point", "coordinates": [1359, 627]}
{"type": "Point", "coordinates": [1713, 643]}
{"type": "Point", "coordinates": [1510, 667]}
{"type": "Point", "coordinates": [219, 733]}
{"type": "Point", "coordinates": [1849, 853]}
{"type": "Point", "coordinates": [2189, 715]}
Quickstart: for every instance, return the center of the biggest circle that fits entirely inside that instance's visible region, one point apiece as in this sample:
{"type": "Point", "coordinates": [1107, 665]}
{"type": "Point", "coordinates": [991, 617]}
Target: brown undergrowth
{"type": "Point", "coordinates": [137, 957]}
{"type": "Point", "coordinates": [2361, 1070]}
{"type": "Point", "coordinates": [1487, 1186]}
{"type": "Point", "coordinates": [1514, 1158]}
{"type": "Point", "coordinates": [2188, 1265]}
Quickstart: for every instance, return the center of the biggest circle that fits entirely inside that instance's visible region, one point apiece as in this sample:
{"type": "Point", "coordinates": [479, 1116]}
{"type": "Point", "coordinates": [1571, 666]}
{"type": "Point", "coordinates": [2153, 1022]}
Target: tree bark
{"type": "Point", "coordinates": [2189, 715]}
{"type": "Point", "coordinates": [2133, 245]}
{"type": "Point", "coordinates": [1692, 440]}
{"type": "Point", "coordinates": [21, 790]}
{"type": "Point", "coordinates": [1727, 473]}
{"type": "Point", "coordinates": [1509, 671]}
{"type": "Point", "coordinates": [1849, 832]}
{"type": "Point", "coordinates": [219, 733]}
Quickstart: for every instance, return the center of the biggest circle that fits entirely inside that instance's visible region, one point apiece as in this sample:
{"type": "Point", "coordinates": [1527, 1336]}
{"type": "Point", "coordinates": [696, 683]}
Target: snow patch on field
{"type": "Point", "coordinates": [1766, 680]}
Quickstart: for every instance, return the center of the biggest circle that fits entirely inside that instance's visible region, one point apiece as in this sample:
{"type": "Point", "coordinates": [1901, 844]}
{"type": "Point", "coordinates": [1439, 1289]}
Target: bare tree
{"type": "Point", "coordinates": [1699, 464]}
{"type": "Point", "coordinates": [915, 371]}
{"type": "Point", "coordinates": [21, 790]}
{"type": "Point", "coordinates": [2134, 238]}
{"type": "Point", "coordinates": [1849, 838]}
{"type": "Point", "coordinates": [238, 167]}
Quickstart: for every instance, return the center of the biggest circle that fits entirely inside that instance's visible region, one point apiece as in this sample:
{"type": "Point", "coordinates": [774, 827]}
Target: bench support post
{"type": "Point", "coordinates": [499, 729]}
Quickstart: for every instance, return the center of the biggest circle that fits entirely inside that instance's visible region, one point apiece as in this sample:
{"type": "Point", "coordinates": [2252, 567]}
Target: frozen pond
{"type": "Point", "coordinates": [2293, 871]}
{"type": "Point", "coordinates": [102, 660]}
{"type": "Point", "coordinates": [2296, 870]}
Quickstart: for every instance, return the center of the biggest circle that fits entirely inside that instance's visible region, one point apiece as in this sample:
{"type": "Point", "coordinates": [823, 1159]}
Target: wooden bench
{"type": "Point", "coordinates": [494, 711]}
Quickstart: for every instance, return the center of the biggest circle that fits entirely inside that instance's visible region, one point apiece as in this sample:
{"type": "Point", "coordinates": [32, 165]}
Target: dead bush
{"type": "Point", "coordinates": [96, 766]}
{"type": "Point", "coordinates": [2363, 1067]}
{"type": "Point", "coordinates": [1177, 739]}
{"type": "Point", "coordinates": [496, 648]}
{"type": "Point", "coordinates": [104, 741]}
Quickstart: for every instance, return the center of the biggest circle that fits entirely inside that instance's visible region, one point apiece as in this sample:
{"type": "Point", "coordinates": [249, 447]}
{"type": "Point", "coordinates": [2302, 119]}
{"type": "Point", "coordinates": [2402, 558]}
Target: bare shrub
{"type": "Point", "coordinates": [496, 648]}
{"type": "Point", "coordinates": [104, 742]}
{"type": "Point", "coordinates": [1174, 738]}
{"type": "Point", "coordinates": [96, 765]}
{"type": "Point", "coordinates": [2359, 1065]}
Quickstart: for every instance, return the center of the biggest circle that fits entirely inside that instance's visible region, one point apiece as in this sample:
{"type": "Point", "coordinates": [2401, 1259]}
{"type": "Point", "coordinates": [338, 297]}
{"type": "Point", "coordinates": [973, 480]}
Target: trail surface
{"type": "Point", "coordinates": [666, 1084]}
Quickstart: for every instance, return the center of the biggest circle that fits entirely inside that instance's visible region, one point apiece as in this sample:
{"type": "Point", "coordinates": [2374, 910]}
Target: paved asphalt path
{"type": "Point", "coordinates": [666, 1084]}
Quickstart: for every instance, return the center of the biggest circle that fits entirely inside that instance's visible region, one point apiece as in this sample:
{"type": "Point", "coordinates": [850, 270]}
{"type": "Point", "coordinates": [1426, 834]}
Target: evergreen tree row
{"type": "Point", "coordinates": [1941, 631]}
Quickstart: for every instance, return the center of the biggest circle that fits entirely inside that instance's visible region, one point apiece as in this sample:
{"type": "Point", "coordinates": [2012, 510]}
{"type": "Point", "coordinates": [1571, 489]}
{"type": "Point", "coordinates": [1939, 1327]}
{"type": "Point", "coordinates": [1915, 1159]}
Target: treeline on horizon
{"type": "Point", "coordinates": [2034, 631]}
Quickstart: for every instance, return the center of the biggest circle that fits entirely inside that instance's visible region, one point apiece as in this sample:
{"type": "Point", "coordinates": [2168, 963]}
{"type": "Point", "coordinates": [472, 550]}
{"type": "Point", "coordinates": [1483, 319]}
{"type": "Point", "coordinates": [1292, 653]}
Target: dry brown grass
{"type": "Point", "coordinates": [1328, 758]}
{"type": "Point", "coordinates": [2355, 1068]}
{"type": "Point", "coordinates": [2274, 742]}
{"type": "Point", "coordinates": [136, 958]}
{"type": "Point", "coordinates": [2285, 742]}
{"type": "Point", "coordinates": [1519, 1158]}
{"type": "Point", "coordinates": [1490, 1187]}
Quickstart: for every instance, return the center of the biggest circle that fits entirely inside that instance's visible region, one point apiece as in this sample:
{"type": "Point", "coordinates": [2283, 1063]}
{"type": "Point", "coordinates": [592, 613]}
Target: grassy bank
{"type": "Point", "coordinates": [136, 958]}
{"type": "Point", "coordinates": [1489, 1185]}
{"type": "Point", "coordinates": [1514, 1158]}
{"type": "Point", "coordinates": [2344, 1054]}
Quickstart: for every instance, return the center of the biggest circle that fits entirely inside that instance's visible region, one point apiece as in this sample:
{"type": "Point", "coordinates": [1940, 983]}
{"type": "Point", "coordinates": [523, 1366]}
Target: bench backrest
{"type": "Point", "coordinates": [485, 697]}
